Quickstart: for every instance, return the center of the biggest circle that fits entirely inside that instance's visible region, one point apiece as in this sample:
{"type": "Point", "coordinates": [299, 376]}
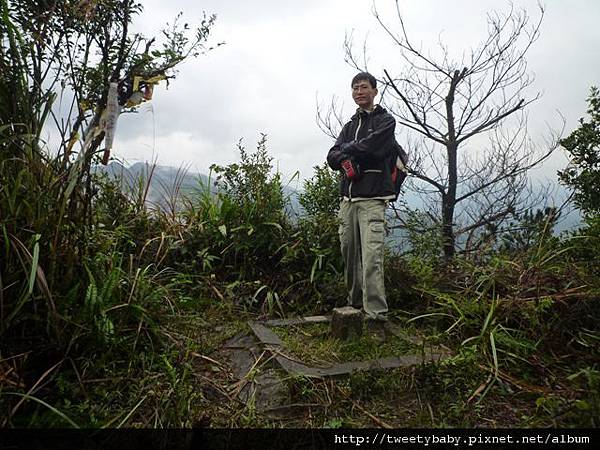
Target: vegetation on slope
{"type": "Point", "coordinates": [113, 311]}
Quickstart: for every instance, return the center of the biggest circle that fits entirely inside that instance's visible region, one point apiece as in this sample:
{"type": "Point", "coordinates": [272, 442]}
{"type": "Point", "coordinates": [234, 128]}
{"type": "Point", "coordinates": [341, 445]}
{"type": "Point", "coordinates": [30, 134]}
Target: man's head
{"type": "Point", "coordinates": [364, 90]}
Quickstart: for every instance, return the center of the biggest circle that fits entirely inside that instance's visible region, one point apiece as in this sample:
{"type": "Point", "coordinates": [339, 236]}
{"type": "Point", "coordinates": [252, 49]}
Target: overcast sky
{"type": "Point", "coordinates": [280, 56]}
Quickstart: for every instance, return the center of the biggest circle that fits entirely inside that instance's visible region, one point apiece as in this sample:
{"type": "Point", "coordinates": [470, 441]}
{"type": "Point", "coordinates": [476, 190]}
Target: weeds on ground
{"type": "Point", "coordinates": [314, 344]}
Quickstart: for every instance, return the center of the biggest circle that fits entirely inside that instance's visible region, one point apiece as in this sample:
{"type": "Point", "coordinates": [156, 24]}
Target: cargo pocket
{"type": "Point", "coordinates": [343, 220]}
{"type": "Point", "coordinates": [342, 229]}
{"type": "Point", "coordinates": [376, 229]}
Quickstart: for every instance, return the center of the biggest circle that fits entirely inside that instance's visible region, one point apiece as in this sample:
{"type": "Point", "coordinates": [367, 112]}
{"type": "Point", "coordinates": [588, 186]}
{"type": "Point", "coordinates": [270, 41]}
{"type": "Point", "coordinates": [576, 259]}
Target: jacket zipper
{"type": "Point", "coordinates": [355, 139]}
{"type": "Point", "coordinates": [358, 127]}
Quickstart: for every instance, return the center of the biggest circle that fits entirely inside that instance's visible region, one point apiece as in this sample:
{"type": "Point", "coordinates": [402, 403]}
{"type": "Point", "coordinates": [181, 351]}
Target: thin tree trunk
{"type": "Point", "coordinates": [449, 199]}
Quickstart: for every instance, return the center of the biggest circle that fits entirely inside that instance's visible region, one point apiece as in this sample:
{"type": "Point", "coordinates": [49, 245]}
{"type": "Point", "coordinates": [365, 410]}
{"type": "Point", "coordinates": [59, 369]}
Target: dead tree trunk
{"type": "Point", "coordinates": [478, 185]}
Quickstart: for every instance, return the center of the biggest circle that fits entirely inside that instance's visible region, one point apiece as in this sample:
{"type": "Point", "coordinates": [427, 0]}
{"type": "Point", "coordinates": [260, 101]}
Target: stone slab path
{"type": "Point", "coordinates": [254, 361]}
{"type": "Point", "coordinates": [275, 345]}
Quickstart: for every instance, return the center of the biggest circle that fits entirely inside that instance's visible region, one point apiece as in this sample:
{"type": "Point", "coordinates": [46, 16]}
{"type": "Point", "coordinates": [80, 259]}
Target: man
{"type": "Point", "coordinates": [364, 152]}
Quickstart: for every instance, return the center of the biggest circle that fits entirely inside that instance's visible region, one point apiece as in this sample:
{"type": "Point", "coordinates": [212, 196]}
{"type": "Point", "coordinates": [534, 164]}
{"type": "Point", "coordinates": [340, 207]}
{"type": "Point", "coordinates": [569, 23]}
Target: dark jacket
{"type": "Point", "coordinates": [368, 139]}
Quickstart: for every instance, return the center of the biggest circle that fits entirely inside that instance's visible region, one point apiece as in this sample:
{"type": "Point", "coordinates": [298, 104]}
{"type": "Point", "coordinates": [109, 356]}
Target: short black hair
{"type": "Point", "coordinates": [364, 76]}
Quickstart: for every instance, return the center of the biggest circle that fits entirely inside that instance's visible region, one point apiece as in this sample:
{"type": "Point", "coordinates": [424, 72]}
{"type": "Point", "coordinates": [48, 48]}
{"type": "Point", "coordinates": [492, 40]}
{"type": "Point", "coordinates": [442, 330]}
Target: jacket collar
{"type": "Point", "coordinates": [377, 110]}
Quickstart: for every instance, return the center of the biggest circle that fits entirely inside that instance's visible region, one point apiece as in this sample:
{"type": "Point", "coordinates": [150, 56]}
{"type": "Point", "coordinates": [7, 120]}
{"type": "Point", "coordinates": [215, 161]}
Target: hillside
{"type": "Point", "coordinates": [168, 183]}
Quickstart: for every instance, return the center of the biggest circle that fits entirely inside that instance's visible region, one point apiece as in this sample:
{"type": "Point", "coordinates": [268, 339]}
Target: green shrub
{"type": "Point", "coordinates": [583, 172]}
{"type": "Point", "coordinates": [240, 230]}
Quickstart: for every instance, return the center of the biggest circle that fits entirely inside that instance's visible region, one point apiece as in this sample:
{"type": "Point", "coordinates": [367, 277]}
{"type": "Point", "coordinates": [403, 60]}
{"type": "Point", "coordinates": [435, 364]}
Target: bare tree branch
{"type": "Point", "coordinates": [453, 104]}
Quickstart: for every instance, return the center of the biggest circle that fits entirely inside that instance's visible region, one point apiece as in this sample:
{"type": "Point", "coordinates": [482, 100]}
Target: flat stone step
{"type": "Point", "coordinates": [265, 335]}
{"type": "Point", "coordinates": [391, 362]}
{"type": "Point", "coordinates": [295, 367]}
{"type": "Point", "coordinates": [297, 321]}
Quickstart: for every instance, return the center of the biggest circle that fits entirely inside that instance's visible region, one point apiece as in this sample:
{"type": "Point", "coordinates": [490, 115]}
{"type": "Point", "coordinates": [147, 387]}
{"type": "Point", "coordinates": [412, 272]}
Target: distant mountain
{"type": "Point", "coordinates": [168, 183]}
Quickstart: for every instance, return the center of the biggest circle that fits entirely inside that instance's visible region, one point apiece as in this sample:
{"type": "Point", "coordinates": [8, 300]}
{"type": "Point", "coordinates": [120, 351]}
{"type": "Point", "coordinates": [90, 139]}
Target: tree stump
{"type": "Point", "coordinates": [346, 322]}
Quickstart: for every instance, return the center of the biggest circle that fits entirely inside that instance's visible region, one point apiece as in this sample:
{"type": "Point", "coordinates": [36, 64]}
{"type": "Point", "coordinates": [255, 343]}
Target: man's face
{"type": "Point", "coordinates": [363, 94]}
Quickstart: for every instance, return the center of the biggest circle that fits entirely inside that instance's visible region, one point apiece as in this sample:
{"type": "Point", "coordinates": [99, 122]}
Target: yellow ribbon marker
{"type": "Point", "coordinates": [138, 96]}
{"type": "Point", "coordinates": [136, 82]}
{"type": "Point", "coordinates": [155, 79]}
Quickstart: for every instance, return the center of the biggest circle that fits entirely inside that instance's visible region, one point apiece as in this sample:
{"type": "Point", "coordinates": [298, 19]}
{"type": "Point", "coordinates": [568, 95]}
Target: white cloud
{"type": "Point", "coordinates": [278, 55]}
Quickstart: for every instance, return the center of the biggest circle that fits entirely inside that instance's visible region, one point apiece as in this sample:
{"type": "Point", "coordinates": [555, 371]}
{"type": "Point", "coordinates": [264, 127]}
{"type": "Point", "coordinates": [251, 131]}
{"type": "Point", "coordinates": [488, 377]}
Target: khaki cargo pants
{"type": "Point", "coordinates": [361, 236]}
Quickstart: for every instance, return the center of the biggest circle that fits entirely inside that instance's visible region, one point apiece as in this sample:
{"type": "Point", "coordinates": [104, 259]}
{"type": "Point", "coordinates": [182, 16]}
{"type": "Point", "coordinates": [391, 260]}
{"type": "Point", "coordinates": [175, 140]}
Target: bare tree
{"type": "Point", "coordinates": [452, 106]}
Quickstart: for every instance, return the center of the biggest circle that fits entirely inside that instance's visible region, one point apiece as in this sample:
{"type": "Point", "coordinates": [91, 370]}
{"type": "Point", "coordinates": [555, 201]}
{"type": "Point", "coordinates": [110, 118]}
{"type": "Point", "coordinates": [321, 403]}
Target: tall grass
{"type": "Point", "coordinates": [96, 283]}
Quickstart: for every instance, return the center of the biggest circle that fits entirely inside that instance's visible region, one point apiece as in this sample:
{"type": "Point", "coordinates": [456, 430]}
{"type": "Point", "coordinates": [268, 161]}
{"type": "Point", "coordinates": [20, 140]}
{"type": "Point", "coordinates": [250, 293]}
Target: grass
{"type": "Point", "coordinates": [313, 344]}
{"type": "Point", "coordinates": [188, 382]}
{"type": "Point", "coordinates": [158, 299]}
{"type": "Point", "coordinates": [114, 313]}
